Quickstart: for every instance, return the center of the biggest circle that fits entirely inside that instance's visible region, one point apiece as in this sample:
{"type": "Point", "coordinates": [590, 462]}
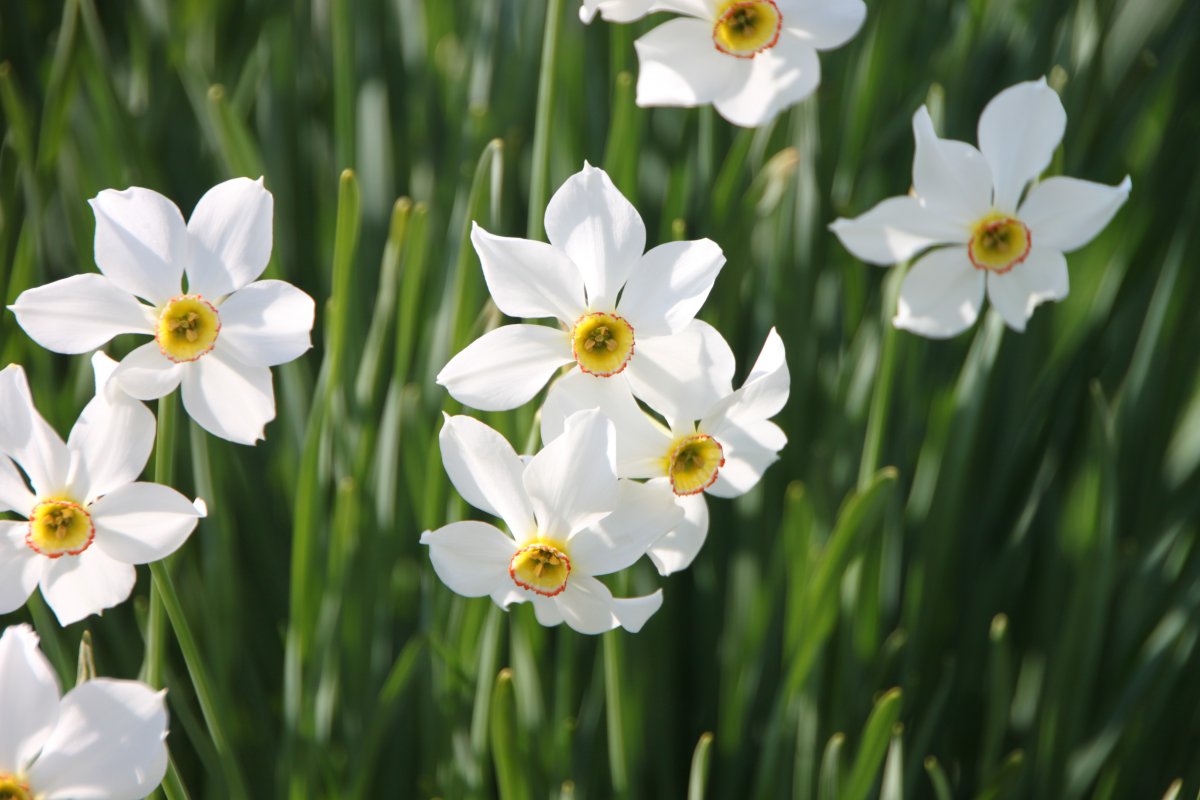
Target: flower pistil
{"type": "Point", "coordinates": [998, 243]}
{"type": "Point", "coordinates": [693, 463]}
{"type": "Point", "coordinates": [187, 328]}
{"type": "Point", "coordinates": [602, 343]}
{"type": "Point", "coordinates": [541, 568]}
{"type": "Point", "coordinates": [745, 28]}
{"type": "Point", "coordinates": [57, 528]}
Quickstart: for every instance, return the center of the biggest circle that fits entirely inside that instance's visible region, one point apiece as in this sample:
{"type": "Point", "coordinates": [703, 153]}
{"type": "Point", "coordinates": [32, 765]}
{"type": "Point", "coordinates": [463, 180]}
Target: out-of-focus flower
{"type": "Point", "coordinates": [1002, 239]}
{"type": "Point", "coordinates": [749, 58]}
{"type": "Point", "coordinates": [648, 339]}
{"type": "Point", "coordinates": [569, 519]}
{"type": "Point", "coordinates": [104, 739]}
{"type": "Point", "coordinates": [724, 453]}
{"type": "Point", "coordinates": [218, 339]}
{"type": "Point", "coordinates": [88, 519]}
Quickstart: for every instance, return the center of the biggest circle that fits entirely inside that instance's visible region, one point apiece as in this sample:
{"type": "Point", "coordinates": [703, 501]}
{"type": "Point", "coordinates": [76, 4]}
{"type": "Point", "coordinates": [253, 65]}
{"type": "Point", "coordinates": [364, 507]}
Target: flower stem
{"type": "Point", "coordinates": [541, 128]}
{"type": "Point", "coordinates": [881, 395]}
{"type": "Point", "coordinates": [612, 707]}
{"type": "Point", "coordinates": [164, 598]}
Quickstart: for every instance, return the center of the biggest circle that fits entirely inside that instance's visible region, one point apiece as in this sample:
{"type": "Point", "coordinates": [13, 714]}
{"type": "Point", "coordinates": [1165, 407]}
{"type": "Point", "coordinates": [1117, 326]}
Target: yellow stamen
{"type": "Point", "coordinates": [998, 243]}
{"type": "Point", "coordinates": [541, 568]}
{"type": "Point", "coordinates": [746, 28]}
{"type": "Point", "coordinates": [59, 527]}
{"type": "Point", "coordinates": [187, 328]}
{"type": "Point", "coordinates": [693, 463]}
{"type": "Point", "coordinates": [602, 343]}
{"type": "Point", "coordinates": [13, 789]}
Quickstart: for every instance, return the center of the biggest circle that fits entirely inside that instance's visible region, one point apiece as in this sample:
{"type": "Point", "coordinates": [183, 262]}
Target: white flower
{"type": "Point", "coordinates": [648, 338]}
{"type": "Point", "coordinates": [105, 740]}
{"type": "Point", "coordinates": [88, 519]}
{"type": "Point", "coordinates": [749, 58]}
{"type": "Point", "coordinates": [569, 519]}
{"type": "Point", "coordinates": [724, 453]}
{"type": "Point", "coordinates": [218, 339]}
{"type": "Point", "coordinates": [972, 200]}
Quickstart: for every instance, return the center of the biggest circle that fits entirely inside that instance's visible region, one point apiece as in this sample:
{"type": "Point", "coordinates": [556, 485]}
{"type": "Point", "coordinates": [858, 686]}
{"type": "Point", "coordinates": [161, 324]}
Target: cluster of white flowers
{"type": "Point", "coordinates": [85, 520]}
{"type": "Point", "coordinates": [642, 422]}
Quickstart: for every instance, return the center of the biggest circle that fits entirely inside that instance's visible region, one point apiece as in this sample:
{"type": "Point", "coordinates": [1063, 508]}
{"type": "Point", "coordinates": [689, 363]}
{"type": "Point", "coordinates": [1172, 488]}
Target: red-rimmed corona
{"type": "Point", "coordinates": [999, 243]}
{"type": "Point", "coordinates": [57, 528]}
{"type": "Point", "coordinates": [187, 328]}
{"type": "Point", "coordinates": [602, 343]}
{"type": "Point", "coordinates": [694, 463]}
{"type": "Point", "coordinates": [745, 28]}
{"type": "Point", "coordinates": [542, 568]}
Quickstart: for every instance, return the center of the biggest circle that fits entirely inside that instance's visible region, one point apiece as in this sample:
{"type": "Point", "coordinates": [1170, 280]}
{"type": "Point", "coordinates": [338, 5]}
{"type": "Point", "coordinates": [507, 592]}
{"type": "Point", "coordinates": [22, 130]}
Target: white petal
{"type": "Point", "coordinates": [505, 367]}
{"type": "Point", "coordinates": [669, 285]}
{"type": "Point", "coordinates": [231, 237]}
{"type": "Point", "coordinates": [630, 10]}
{"type": "Point", "coordinates": [141, 242]}
{"type": "Point", "coordinates": [109, 743]}
{"type": "Point", "coordinates": [764, 393]}
{"type": "Point", "coordinates": [824, 24]}
{"type": "Point", "coordinates": [684, 375]}
{"type": "Point", "coordinates": [572, 482]}
{"type": "Point", "coordinates": [114, 435]}
{"type": "Point", "coordinates": [28, 438]}
{"type": "Point", "coordinates": [941, 295]}
{"type": "Point", "coordinates": [634, 612]}
{"type": "Point", "coordinates": [895, 230]}
{"type": "Point", "coordinates": [487, 472]}
{"type": "Point", "coordinates": [470, 557]}
{"type": "Point", "coordinates": [528, 278]}
{"type": "Point", "coordinates": [143, 522]}
{"type": "Point", "coordinates": [1019, 131]}
{"type": "Point", "coordinates": [146, 374]}
{"type": "Point", "coordinates": [641, 442]}
{"type": "Point", "coordinates": [504, 596]}
{"type": "Point", "coordinates": [750, 447]}
{"type": "Point", "coordinates": [546, 611]}
{"type": "Point", "coordinates": [19, 568]}
{"type": "Point", "coordinates": [600, 230]}
{"type": "Point", "coordinates": [79, 586]}
{"type": "Point", "coordinates": [952, 178]}
{"type": "Point", "coordinates": [14, 494]}
{"type": "Point", "coordinates": [646, 511]}
{"type": "Point", "coordinates": [587, 605]}
{"type": "Point", "coordinates": [1016, 293]}
{"type": "Point", "coordinates": [266, 324]}
{"type": "Point", "coordinates": [1064, 214]}
{"type": "Point", "coordinates": [678, 548]}
{"type": "Point", "coordinates": [679, 66]}
{"type": "Point", "coordinates": [229, 399]}
{"type": "Point", "coordinates": [29, 695]}
{"type": "Point", "coordinates": [79, 313]}
{"type": "Point", "coordinates": [778, 78]}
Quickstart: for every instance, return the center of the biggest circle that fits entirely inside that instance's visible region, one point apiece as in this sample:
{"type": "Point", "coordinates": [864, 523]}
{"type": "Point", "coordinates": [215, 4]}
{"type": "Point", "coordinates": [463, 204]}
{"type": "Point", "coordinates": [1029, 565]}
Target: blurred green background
{"type": "Point", "coordinates": [1011, 612]}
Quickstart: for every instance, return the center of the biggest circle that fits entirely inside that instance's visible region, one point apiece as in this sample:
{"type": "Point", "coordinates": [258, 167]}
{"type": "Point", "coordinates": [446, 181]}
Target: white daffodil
{"type": "Point", "coordinates": [103, 740]}
{"type": "Point", "coordinates": [647, 337]}
{"type": "Point", "coordinates": [750, 58]}
{"type": "Point", "coordinates": [569, 519]}
{"type": "Point", "coordinates": [88, 520]}
{"type": "Point", "coordinates": [218, 339]}
{"type": "Point", "coordinates": [724, 453]}
{"type": "Point", "coordinates": [999, 236]}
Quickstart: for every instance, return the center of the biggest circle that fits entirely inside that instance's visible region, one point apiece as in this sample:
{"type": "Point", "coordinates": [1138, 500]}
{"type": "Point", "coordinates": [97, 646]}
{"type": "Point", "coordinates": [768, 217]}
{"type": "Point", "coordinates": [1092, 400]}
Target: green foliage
{"type": "Point", "coordinates": [1023, 568]}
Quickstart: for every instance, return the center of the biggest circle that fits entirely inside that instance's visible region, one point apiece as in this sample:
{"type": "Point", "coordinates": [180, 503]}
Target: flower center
{"type": "Point", "coordinates": [12, 789]}
{"type": "Point", "coordinates": [602, 344]}
{"type": "Point", "coordinates": [187, 328]}
{"type": "Point", "coordinates": [694, 462]}
{"type": "Point", "coordinates": [540, 568]}
{"type": "Point", "coordinates": [59, 528]}
{"type": "Point", "coordinates": [745, 28]}
{"type": "Point", "coordinates": [998, 243]}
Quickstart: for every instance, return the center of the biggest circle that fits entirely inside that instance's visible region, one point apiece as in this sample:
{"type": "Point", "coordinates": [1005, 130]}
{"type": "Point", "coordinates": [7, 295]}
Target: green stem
{"type": "Point", "coordinates": [164, 587]}
{"type": "Point", "coordinates": [164, 598]}
{"type": "Point", "coordinates": [164, 473]}
{"type": "Point", "coordinates": [612, 706]}
{"type": "Point", "coordinates": [541, 128]}
{"type": "Point", "coordinates": [881, 395]}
